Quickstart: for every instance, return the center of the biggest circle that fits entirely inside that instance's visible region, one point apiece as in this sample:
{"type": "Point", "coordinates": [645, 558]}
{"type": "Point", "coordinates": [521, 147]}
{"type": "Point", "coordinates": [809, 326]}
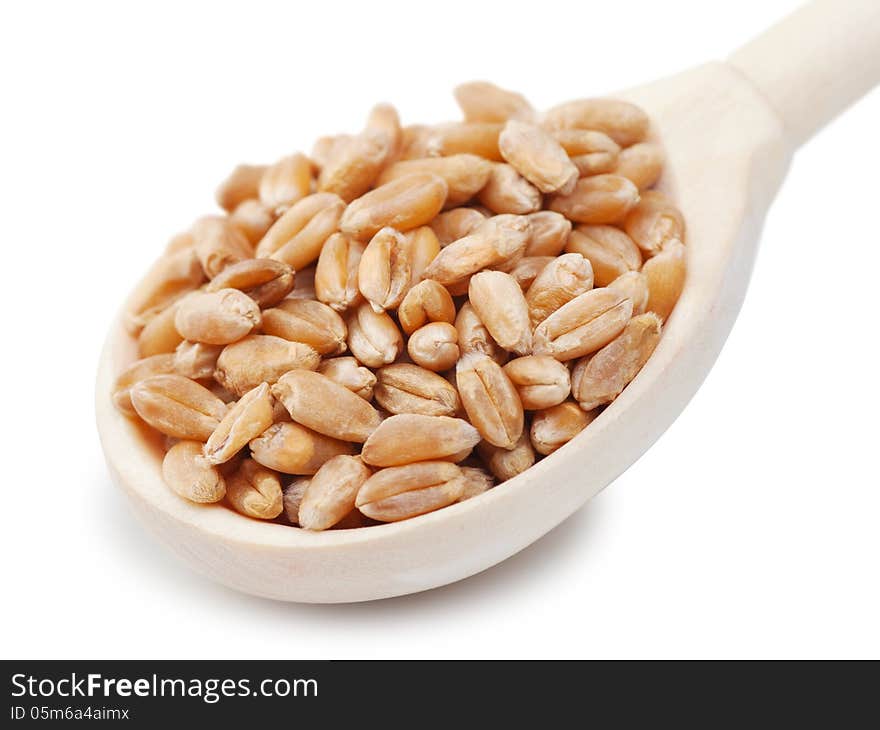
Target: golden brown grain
{"type": "Point", "coordinates": [499, 239]}
{"type": "Point", "coordinates": [408, 388]}
{"type": "Point", "coordinates": [247, 419]}
{"type": "Point", "coordinates": [253, 219]}
{"type": "Point", "coordinates": [179, 242]}
{"type": "Point", "coordinates": [177, 406]}
{"type": "Point", "coordinates": [654, 222]}
{"type": "Point", "coordinates": [583, 325]}
{"type": "Point", "coordinates": [325, 148]}
{"type": "Point", "coordinates": [349, 373]}
{"type": "Point", "coordinates": [257, 359]}
{"type": "Point", "coordinates": [610, 251]}
{"type": "Point", "coordinates": [218, 244]}
{"type": "Point", "coordinates": [499, 303]}
{"type": "Point", "coordinates": [454, 138]}
{"type": "Point", "coordinates": [597, 199]}
{"type": "Point", "coordinates": [601, 377]}
{"type": "Point", "coordinates": [373, 338]}
{"type": "Point", "coordinates": [404, 203]}
{"type": "Point", "coordinates": [315, 401]}
{"type": "Point", "coordinates": [642, 163]}
{"type": "Point", "coordinates": [331, 493]}
{"type": "Point", "coordinates": [474, 337]}
{"type": "Point", "coordinates": [401, 492]}
{"type": "Point", "coordinates": [560, 281]}
{"type": "Point", "coordinates": [142, 369]}
{"type": "Point", "coordinates": [286, 182]}
{"type": "Point", "coordinates": [506, 191]}
{"type": "Point", "coordinates": [540, 381]}
{"type": "Point", "coordinates": [169, 279]}
{"type": "Point", "coordinates": [434, 346]}
{"type": "Point", "coordinates": [591, 152]}
{"type": "Point", "coordinates": [216, 318]}
{"type": "Point", "coordinates": [477, 481]}
{"type": "Point", "coordinates": [307, 321]}
{"type": "Point", "coordinates": [482, 101]}
{"type": "Point", "coordinates": [414, 142]}
{"type": "Point", "coordinates": [196, 360]}
{"type": "Point", "coordinates": [159, 334]}
{"type": "Point", "coordinates": [556, 426]}
{"type": "Point", "coordinates": [456, 223]}
{"type": "Point", "coordinates": [634, 286]}
{"type": "Point", "coordinates": [465, 175]}
{"type": "Point", "coordinates": [255, 491]}
{"type": "Point", "coordinates": [665, 274]}
{"type": "Point", "coordinates": [385, 269]}
{"type": "Point", "coordinates": [507, 463]}
{"type": "Point", "coordinates": [490, 399]}
{"type": "Point", "coordinates": [336, 275]}
{"type": "Point", "coordinates": [527, 269]}
{"type": "Point", "coordinates": [407, 438]}
{"type": "Point", "coordinates": [625, 123]}
{"type": "Point", "coordinates": [190, 475]}
{"type": "Point", "coordinates": [294, 449]}
{"type": "Point", "coordinates": [242, 184]}
{"type": "Point", "coordinates": [355, 164]}
{"type": "Point", "coordinates": [297, 236]}
{"type": "Point", "coordinates": [384, 118]}
{"type": "Point", "coordinates": [538, 157]}
{"type": "Point", "coordinates": [266, 281]}
{"type": "Point", "coordinates": [548, 233]}
{"type": "Point", "coordinates": [426, 302]}
{"type": "Point", "coordinates": [423, 248]}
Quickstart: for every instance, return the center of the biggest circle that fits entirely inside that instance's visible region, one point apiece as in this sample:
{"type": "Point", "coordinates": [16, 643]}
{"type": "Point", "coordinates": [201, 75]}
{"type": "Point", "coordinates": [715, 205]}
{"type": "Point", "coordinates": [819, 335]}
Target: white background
{"type": "Point", "coordinates": [751, 529]}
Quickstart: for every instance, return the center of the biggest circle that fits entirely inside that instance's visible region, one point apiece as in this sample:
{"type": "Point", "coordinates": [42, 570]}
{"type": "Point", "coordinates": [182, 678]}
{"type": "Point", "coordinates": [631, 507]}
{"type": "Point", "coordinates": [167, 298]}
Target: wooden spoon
{"type": "Point", "coordinates": [729, 129]}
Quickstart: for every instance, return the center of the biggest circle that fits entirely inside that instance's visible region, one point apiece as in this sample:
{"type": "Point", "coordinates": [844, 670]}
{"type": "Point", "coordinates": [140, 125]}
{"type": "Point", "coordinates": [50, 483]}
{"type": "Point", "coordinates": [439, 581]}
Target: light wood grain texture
{"type": "Point", "coordinates": [816, 62]}
{"type": "Point", "coordinates": [729, 133]}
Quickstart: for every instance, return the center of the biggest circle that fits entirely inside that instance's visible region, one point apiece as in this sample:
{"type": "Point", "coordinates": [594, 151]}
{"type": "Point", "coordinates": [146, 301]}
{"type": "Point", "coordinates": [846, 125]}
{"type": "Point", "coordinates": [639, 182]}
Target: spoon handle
{"type": "Point", "coordinates": [816, 62]}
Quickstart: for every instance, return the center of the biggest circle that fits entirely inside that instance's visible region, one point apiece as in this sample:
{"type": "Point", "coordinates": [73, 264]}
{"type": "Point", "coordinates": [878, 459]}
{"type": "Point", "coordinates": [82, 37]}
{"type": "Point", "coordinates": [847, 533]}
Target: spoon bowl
{"type": "Point", "coordinates": [728, 141]}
